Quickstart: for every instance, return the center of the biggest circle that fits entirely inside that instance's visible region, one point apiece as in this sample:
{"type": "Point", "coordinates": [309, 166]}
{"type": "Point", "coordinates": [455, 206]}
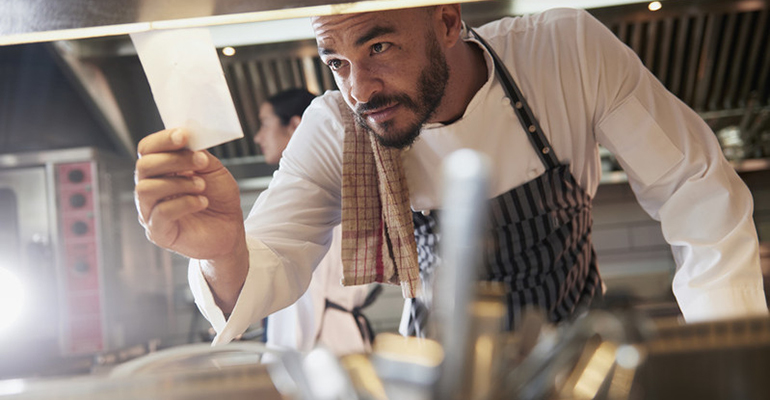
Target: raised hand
{"type": "Point", "coordinates": [187, 201]}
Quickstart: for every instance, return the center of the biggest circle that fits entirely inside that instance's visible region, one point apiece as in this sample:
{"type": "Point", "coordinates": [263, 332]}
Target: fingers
{"type": "Point", "coordinates": [163, 141]}
{"type": "Point", "coordinates": [160, 164]}
{"type": "Point", "coordinates": [164, 153]}
{"type": "Point", "coordinates": [162, 224]}
{"type": "Point", "coordinates": [151, 192]}
{"type": "Point", "coordinates": [168, 183]}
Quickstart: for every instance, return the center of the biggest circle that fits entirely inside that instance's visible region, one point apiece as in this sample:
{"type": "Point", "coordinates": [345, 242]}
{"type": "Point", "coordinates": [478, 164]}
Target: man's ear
{"type": "Point", "coordinates": [450, 21]}
{"type": "Point", "coordinates": [294, 123]}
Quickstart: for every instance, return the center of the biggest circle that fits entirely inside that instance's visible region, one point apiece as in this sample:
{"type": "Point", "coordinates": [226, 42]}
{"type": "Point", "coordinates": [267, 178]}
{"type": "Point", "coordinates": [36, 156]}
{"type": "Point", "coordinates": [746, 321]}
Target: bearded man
{"type": "Point", "coordinates": [536, 94]}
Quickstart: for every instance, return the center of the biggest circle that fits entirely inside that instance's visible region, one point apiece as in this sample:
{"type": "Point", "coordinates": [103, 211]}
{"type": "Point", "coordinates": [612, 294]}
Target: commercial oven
{"type": "Point", "coordinates": [80, 277]}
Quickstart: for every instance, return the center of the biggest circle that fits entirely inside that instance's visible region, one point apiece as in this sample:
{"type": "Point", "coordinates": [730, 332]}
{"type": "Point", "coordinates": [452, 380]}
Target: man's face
{"type": "Point", "coordinates": [272, 136]}
{"type": "Point", "coordinates": [389, 67]}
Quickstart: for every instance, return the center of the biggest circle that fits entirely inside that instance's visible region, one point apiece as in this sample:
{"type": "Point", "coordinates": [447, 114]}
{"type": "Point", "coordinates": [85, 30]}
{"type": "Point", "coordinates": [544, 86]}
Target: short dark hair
{"type": "Point", "coordinates": [289, 103]}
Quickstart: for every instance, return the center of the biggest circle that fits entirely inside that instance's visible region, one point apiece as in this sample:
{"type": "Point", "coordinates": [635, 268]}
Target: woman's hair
{"type": "Point", "coordinates": [289, 103]}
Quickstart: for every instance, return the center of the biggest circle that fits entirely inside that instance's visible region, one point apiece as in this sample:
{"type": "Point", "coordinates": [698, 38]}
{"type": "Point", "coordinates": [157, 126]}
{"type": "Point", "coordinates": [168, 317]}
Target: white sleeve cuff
{"type": "Point", "coordinates": [204, 299]}
{"type": "Point", "coordinates": [724, 303]}
{"type": "Point", "coordinates": [256, 300]}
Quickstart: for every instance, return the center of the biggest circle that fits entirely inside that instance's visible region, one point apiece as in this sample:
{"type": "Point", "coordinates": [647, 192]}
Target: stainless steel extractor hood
{"type": "Point", "coordinates": [713, 54]}
{"type": "Point", "coordinates": [30, 21]}
{"type": "Point", "coordinates": [27, 21]}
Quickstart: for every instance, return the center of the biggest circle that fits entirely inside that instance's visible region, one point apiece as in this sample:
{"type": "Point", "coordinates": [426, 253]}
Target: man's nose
{"type": "Point", "coordinates": [364, 84]}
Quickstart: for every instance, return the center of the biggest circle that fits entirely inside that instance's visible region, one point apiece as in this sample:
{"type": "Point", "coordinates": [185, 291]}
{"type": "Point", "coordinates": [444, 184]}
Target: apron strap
{"type": "Point", "coordinates": [363, 323]}
{"type": "Point", "coordinates": [535, 134]}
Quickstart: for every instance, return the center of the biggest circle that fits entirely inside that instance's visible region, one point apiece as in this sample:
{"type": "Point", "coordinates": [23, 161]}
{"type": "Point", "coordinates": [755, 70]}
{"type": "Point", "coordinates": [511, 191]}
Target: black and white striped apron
{"type": "Point", "coordinates": [539, 241]}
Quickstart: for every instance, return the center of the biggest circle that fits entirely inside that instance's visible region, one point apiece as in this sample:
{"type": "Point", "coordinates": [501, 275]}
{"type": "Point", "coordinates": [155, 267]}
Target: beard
{"type": "Point", "coordinates": [430, 91]}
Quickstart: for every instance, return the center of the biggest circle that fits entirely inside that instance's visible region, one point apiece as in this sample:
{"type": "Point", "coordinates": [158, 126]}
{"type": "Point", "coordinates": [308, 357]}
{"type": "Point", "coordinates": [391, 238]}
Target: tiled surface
{"type": "Point", "coordinates": [623, 211]}
{"type": "Point", "coordinates": [608, 239]}
{"type": "Point", "coordinates": [632, 255]}
{"type": "Point", "coordinates": [759, 183]}
{"type": "Point", "coordinates": [762, 211]}
{"type": "Point", "coordinates": [647, 235]}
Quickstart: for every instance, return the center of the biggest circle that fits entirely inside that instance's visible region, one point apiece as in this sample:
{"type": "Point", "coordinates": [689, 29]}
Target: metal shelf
{"type": "Point", "coordinates": [757, 164]}
{"type": "Point", "coordinates": [750, 165]}
{"type": "Point", "coordinates": [612, 177]}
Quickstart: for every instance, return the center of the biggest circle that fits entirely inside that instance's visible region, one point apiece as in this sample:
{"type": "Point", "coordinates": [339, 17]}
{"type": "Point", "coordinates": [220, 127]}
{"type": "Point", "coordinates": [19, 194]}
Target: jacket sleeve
{"type": "Point", "coordinates": [289, 229]}
{"type": "Point", "coordinates": [679, 175]}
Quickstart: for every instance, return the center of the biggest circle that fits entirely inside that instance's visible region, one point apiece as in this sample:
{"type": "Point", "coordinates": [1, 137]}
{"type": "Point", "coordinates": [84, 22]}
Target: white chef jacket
{"type": "Point", "coordinates": [307, 323]}
{"type": "Point", "coordinates": [585, 88]}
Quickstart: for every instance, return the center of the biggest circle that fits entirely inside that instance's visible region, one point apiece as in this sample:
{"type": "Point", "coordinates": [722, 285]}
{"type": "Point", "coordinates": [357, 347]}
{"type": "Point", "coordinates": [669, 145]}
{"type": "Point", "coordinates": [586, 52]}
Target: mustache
{"type": "Point", "coordinates": [383, 101]}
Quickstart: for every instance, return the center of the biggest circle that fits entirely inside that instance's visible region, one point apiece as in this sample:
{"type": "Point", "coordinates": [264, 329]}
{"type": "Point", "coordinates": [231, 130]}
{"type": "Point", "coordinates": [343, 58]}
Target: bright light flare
{"type": "Point", "coordinates": [11, 298]}
{"type": "Point", "coordinates": [228, 51]}
{"type": "Point", "coordinates": [654, 6]}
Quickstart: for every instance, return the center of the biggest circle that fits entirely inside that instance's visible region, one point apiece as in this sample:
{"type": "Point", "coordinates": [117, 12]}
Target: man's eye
{"type": "Point", "coordinates": [380, 47]}
{"type": "Point", "coordinates": [334, 64]}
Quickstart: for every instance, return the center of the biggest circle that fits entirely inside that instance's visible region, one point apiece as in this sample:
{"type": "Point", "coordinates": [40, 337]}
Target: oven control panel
{"type": "Point", "coordinates": [82, 316]}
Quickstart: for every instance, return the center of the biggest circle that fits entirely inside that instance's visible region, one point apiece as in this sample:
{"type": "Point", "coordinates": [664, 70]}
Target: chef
{"type": "Point", "coordinates": [536, 94]}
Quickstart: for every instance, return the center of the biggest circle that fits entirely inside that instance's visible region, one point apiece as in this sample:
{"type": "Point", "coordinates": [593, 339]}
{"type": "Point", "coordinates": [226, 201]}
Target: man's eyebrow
{"type": "Point", "coordinates": [373, 33]}
{"type": "Point", "coordinates": [325, 52]}
{"type": "Point", "coordinates": [369, 35]}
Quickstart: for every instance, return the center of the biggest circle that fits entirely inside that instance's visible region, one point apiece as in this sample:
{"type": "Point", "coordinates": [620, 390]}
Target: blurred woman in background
{"type": "Point", "coordinates": [328, 314]}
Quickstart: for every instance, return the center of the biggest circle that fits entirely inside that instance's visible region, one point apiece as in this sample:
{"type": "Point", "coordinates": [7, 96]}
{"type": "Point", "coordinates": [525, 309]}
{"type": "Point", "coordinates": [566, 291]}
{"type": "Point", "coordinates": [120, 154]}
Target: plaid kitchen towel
{"type": "Point", "coordinates": [378, 242]}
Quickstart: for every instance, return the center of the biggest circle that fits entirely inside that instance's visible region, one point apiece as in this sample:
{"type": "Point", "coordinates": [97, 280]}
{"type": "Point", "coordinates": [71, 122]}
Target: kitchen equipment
{"type": "Point", "coordinates": [190, 372]}
{"type": "Point", "coordinates": [92, 281]}
{"type": "Point", "coordinates": [466, 180]}
{"type": "Point", "coordinates": [731, 141]}
{"type": "Point", "coordinates": [715, 360]}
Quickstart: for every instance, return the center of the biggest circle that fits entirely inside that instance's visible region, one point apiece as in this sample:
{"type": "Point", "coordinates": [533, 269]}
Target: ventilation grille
{"type": "Point", "coordinates": [714, 57]}
{"type": "Point", "coordinates": [257, 72]}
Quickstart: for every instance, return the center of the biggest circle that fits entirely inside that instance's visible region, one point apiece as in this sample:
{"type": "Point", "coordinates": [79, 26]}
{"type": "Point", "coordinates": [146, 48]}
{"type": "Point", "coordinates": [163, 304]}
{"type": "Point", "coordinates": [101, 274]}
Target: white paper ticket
{"type": "Point", "coordinates": [188, 84]}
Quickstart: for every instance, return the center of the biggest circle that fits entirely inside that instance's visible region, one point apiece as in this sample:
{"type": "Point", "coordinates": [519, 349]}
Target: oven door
{"type": "Point", "coordinates": [28, 310]}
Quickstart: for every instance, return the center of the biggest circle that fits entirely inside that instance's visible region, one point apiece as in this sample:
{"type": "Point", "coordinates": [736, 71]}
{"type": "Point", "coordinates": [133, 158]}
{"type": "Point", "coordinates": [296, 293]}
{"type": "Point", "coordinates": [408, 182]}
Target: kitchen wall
{"type": "Point", "coordinates": [632, 255]}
